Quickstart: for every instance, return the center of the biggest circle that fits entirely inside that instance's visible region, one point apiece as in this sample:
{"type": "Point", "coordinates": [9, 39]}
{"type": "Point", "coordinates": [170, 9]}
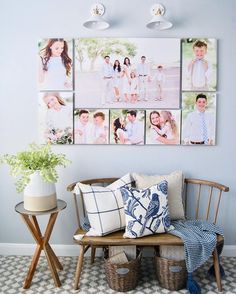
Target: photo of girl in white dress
{"type": "Point", "coordinates": [133, 87]}
{"type": "Point", "coordinates": [117, 79]}
{"type": "Point", "coordinates": [126, 78]}
{"type": "Point", "coordinates": [56, 117]}
{"type": "Point", "coordinates": [55, 65]}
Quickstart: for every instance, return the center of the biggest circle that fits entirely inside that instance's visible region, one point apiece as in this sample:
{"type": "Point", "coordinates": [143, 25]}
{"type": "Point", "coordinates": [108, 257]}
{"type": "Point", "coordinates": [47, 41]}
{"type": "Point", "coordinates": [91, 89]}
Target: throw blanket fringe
{"type": "Point", "coordinates": [192, 285]}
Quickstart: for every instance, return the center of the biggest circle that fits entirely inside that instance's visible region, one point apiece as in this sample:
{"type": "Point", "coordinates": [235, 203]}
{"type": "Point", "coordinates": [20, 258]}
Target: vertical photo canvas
{"type": "Point", "coordinates": [127, 73]}
{"type": "Point", "coordinates": [56, 117]}
{"type": "Point", "coordinates": [91, 126]}
{"type": "Point", "coordinates": [127, 126]}
{"type": "Point", "coordinates": [55, 64]}
{"type": "Point", "coordinates": [198, 118]}
{"type": "Point", "coordinates": [163, 127]}
{"type": "Point", "coordinates": [199, 64]}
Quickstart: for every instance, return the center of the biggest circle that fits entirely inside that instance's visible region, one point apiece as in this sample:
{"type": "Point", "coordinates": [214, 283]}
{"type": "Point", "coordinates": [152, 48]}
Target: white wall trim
{"type": "Point", "coordinates": [28, 249]}
{"type": "Point", "coordinates": [73, 250]}
{"type": "Point", "coordinates": [229, 250]}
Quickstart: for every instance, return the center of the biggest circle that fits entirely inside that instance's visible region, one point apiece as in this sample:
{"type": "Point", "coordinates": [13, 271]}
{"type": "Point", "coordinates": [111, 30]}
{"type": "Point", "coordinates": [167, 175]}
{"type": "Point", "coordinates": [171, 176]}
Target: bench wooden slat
{"type": "Point", "coordinates": [117, 239]}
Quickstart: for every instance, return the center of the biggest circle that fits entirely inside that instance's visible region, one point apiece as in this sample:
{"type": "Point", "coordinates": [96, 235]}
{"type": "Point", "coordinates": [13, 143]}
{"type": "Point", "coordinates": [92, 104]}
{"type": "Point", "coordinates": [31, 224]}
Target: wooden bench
{"type": "Point", "coordinates": [204, 195]}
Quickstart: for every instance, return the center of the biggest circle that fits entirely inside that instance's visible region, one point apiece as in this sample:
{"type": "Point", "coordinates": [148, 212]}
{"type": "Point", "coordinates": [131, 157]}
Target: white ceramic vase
{"type": "Point", "coordinates": [39, 195]}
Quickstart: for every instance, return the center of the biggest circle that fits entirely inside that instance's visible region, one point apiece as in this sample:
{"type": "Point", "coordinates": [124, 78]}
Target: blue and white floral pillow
{"type": "Point", "coordinates": [146, 211]}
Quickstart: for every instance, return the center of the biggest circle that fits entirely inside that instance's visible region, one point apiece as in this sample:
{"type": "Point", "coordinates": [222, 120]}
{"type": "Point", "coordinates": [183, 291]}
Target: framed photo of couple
{"type": "Point", "coordinates": [127, 91]}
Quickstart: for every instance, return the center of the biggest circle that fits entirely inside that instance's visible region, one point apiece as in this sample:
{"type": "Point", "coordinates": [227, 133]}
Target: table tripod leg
{"type": "Point", "coordinates": [51, 265]}
{"type": "Point", "coordinates": [32, 268]}
{"type": "Point", "coordinates": [55, 259]}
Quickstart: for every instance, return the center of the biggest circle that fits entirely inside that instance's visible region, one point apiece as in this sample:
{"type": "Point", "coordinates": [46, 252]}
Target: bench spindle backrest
{"type": "Point", "coordinates": [207, 198]}
{"type": "Point", "coordinates": [207, 204]}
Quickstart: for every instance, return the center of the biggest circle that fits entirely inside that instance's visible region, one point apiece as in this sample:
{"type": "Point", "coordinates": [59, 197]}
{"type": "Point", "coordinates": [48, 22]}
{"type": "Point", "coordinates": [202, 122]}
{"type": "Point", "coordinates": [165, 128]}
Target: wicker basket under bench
{"type": "Point", "coordinates": [211, 209]}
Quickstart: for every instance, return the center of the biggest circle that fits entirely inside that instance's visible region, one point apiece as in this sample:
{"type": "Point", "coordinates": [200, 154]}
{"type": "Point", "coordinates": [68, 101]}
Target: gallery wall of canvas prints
{"type": "Point", "coordinates": [127, 91]}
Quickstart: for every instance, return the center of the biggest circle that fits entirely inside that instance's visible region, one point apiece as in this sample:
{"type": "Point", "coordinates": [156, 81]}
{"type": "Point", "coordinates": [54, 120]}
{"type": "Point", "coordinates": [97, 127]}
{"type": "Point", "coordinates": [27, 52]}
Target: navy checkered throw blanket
{"type": "Point", "coordinates": [199, 239]}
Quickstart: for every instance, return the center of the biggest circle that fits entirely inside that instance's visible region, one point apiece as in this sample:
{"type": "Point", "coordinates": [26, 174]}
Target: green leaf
{"type": "Point", "coordinates": [36, 158]}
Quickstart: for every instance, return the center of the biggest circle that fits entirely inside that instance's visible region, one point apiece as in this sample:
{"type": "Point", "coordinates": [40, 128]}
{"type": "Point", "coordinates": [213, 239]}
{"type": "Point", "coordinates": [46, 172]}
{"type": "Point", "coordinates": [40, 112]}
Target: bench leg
{"type": "Point", "coordinates": [93, 253]}
{"type": "Point", "coordinates": [79, 267]}
{"type": "Point", "coordinates": [217, 269]}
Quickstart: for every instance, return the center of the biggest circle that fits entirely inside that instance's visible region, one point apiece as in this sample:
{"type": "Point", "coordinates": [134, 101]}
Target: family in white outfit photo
{"type": "Point", "coordinates": [128, 83]}
{"type": "Point", "coordinates": [127, 73]}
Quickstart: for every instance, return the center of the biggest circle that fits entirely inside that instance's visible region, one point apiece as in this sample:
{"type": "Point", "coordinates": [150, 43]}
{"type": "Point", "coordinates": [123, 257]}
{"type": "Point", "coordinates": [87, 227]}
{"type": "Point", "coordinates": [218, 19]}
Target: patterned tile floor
{"type": "Point", "coordinates": [13, 270]}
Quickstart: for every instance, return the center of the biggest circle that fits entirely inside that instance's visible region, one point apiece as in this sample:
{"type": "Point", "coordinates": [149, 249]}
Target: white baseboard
{"type": "Point", "coordinates": [28, 249]}
{"type": "Point", "coordinates": [73, 250]}
{"type": "Point", "coordinates": [229, 250]}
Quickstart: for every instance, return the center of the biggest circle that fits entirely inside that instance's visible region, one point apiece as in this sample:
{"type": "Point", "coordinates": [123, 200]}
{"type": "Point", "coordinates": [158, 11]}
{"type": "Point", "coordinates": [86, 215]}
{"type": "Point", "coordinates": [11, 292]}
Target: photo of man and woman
{"type": "Point", "coordinates": [91, 126]}
{"type": "Point", "coordinates": [127, 72]}
{"type": "Point", "coordinates": [127, 126]}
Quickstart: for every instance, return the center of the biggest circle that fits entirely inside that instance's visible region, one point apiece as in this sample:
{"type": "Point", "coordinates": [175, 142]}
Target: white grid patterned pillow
{"type": "Point", "coordinates": [104, 206]}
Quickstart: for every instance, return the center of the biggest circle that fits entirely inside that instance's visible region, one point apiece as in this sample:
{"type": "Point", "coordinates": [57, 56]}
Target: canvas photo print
{"type": "Point", "coordinates": [127, 73]}
{"type": "Point", "coordinates": [56, 117]}
{"type": "Point", "coordinates": [199, 68]}
{"type": "Point", "coordinates": [163, 127]}
{"type": "Point", "coordinates": [55, 64]}
{"type": "Point", "coordinates": [198, 118]}
{"type": "Point", "coordinates": [91, 126]}
{"type": "Point", "coordinates": [127, 126]}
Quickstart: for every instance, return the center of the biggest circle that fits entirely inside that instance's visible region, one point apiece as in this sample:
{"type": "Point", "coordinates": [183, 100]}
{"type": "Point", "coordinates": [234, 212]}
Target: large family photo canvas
{"type": "Point", "coordinates": [127, 73]}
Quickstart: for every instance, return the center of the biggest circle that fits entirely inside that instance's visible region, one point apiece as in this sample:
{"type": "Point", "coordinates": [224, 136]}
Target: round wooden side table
{"type": "Point", "coordinates": [42, 241]}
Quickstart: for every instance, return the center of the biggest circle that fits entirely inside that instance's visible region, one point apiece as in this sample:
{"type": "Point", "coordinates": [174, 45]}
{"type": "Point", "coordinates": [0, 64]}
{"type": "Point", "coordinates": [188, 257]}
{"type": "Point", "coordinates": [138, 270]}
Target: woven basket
{"type": "Point", "coordinates": [123, 277]}
{"type": "Point", "coordinates": [171, 274]}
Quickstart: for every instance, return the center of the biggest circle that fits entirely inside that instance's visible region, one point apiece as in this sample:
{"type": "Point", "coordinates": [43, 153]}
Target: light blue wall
{"type": "Point", "coordinates": [23, 22]}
